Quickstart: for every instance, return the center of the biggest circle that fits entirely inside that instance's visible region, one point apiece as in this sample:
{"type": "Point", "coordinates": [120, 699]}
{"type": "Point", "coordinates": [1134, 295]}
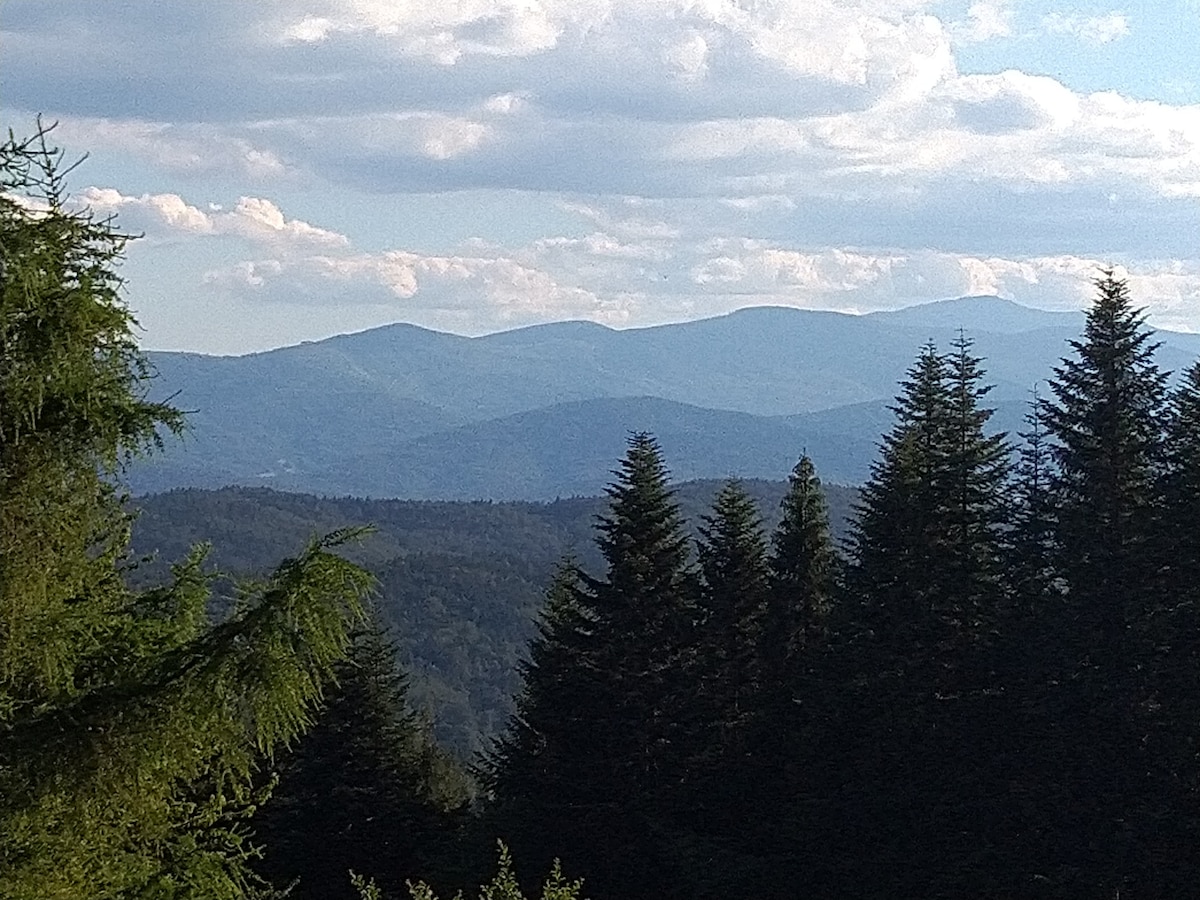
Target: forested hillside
{"type": "Point", "coordinates": [460, 584]}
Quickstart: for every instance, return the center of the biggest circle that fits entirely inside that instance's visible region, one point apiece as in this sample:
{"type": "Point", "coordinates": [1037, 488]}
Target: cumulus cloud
{"type": "Point", "coordinates": [631, 270]}
{"type": "Point", "coordinates": [986, 20]}
{"type": "Point", "coordinates": [707, 153]}
{"type": "Point", "coordinates": [253, 218]}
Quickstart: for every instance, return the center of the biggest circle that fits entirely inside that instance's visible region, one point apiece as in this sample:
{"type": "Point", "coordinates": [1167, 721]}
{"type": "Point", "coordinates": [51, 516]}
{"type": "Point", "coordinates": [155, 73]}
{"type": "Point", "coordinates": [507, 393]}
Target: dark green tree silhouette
{"type": "Point", "coordinates": [732, 603]}
{"type": "Point", "coordinates": [1105, 421]}
{"type": "Point", "coordinates": [925, 607]}
{"type": "Point", "coordinates": [366, 789]}
{"type": "Point", "coordinates": [590, 763]}
{"type": "Point", "coordinates": [803, 569]}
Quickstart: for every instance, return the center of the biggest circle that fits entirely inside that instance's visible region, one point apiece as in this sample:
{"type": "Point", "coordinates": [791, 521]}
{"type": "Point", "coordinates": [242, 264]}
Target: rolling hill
{"type": "Point", "coordinates": [540, 412]}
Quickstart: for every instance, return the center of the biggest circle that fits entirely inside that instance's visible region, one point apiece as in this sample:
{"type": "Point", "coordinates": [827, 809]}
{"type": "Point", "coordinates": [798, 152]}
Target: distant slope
{"type": "Point", "coordinates": [977, 314]}
{"type": "Point", "coordinates": [569, 449]}
{"type": "Point", "coordinates": [460, 583]}
{"type": "Point", "coordinates": [410, 412]}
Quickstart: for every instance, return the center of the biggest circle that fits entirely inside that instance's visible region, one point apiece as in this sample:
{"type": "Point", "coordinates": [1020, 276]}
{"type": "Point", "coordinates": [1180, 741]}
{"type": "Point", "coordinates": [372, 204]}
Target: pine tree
{"type": "Point", "coordinates": [366, 789]}
{"type": "Point", "coordinates": [130, 724]}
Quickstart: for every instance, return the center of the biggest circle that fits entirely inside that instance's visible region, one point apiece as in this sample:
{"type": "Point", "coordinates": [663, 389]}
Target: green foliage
{"type": "Point", "coordinates": [503, 886]}
{"type": "Point", "coordinates": [130, 724]}
{"type": "Point", "coordinates": [803, 573]}
{"type": "Point", "coordinates": [1106, 424]}
{"type": "Point", "coordinates": [733, 601]}
{"type": "Point", "coordinates": [366, 787]}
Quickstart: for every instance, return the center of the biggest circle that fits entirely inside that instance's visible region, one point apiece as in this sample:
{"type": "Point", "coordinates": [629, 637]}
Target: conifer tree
{"type": "Point", "coordinates": [1180, 532]}
{"type": "Point", "coordinates": [645, 613]}
{"type": "Point", "coordinates": [926, 593]}
{"type": "Point", "coordinates": [130, 724]}
{"type": "Point", "coordinates": [803, 566]}
{"type": "Point", "coordinates": [976, 515]}
{"type": "Point", "coordinates": [540, 775]}
{"type": "Point", "coordinates": [1031, 545]}
{"type": "Point", "coordinates": [733, 598]}
{"type": "Point", "coordinates": [895, 538]}
{"type": "Point", "coordinates": [590, 762]}
{"type": "Point", "coordinates": [1105, 422]}
{"type": "Point", "coordinates": [366, 789]}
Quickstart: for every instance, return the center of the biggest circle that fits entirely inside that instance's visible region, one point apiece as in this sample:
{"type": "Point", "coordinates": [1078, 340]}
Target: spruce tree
{"type": "Point", "coordinates": [130, 723]}
{"type": "Point", "coordinates": [1031, 549]}
{"type": "Point", "coordinates": [735, 585]}
{"type": "Point", "coordinates": [592, 761]}
{"type": "Point", "coordinates": [366, 789]}
{"type": "Point", "coordinates": [895, 537]}
{"type": "Point", "coordinates": [797, 755]}
{"type": "Point", "coordinates": [1180, 532]}
{"type": "Point", "coordinates": [976, 516]}
{"type": "Point", "coordinates": [803, 568]}
{"type": "Point", "coordinates": [1105, 422]}
{"type": "Point", "coordinates": [926, 593]}
{"type": "Point", "coordinates": [540, 775]}
{"type": "Point", "coordinates": [645, 612]}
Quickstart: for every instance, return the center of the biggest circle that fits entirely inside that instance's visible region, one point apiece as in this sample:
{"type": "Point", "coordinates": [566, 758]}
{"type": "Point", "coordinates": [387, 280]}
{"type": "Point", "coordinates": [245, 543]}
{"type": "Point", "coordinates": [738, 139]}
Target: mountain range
{"type": "Point", "coordinates": [540, 412]}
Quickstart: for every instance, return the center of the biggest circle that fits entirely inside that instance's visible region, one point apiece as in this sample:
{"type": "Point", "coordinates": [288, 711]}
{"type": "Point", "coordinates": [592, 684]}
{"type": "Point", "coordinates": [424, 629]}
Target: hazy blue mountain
{"type": "Point", "coordinates": [976, 314]}
{"type": "Point", "coordinates": [569, 449]}
{"type": "Point", "coordinates": [541, 411]}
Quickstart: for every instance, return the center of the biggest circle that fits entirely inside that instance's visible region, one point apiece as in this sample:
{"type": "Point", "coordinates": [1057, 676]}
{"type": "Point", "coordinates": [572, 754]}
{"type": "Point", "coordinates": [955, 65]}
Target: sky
{"type": "Point", "coordinates": [301, 168]}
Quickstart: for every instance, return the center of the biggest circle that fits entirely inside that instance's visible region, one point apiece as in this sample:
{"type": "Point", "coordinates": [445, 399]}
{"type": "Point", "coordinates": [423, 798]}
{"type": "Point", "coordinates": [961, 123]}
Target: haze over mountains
{"type": "Point", "coordinates": [544, 411]}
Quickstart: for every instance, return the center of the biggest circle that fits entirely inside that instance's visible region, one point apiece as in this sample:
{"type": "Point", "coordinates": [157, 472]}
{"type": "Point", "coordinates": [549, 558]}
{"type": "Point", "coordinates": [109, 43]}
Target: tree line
{"type": "Point", "coordinates": [988, 691]}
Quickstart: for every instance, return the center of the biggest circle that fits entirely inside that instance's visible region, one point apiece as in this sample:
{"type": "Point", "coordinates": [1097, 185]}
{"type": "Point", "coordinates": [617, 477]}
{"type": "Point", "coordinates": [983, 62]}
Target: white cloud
{"type": "Point", "coordinates": [645, 129]}
{"type": "Point", "coordinates": [1090, 29]}
{"type": "Point", "coordinates": [253, 218]}
{"type": "Point", "coordinates": [182, 150]}
{"type": "Point", "coordinates": [986, 20]}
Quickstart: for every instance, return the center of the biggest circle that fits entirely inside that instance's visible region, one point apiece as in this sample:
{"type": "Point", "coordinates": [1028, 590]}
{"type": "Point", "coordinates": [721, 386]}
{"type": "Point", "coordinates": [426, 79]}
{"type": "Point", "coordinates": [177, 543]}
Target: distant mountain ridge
{"type": "Point", "coordinates": [542, 411]}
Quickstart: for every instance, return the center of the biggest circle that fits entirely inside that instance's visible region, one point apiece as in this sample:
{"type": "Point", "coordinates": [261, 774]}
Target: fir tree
{"type": "Point", "coordinates": [1032, 553]}
{"type": "Point", "coordinates": [1105, 422]}
{"type": "Point", "coordinates": [130, 724]}
{"type": "Point", "coordinates": [540, 775]}
{"type": "Point", "coordinates": [366, 789]}
{"type": "Point", "coordinates": [926, 594]}
{"type": "Point", "coordinates": [733, 599]}
{"type": "Point", "coordinates": [1180, 532]}
{"type": "Point", "coordinates": [645, 613]}
{"type": "Point", "coordinates": [803, 567]}
{"type": "Point", "coordinates": [591, 760]}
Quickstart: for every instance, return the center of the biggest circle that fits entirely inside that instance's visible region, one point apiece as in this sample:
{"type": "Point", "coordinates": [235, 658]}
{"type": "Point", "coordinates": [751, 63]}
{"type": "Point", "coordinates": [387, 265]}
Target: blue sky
{"type": "Point", "coordinates": [309, 167]}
